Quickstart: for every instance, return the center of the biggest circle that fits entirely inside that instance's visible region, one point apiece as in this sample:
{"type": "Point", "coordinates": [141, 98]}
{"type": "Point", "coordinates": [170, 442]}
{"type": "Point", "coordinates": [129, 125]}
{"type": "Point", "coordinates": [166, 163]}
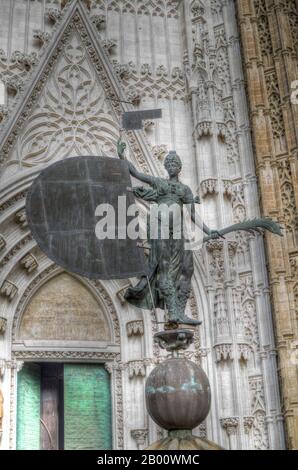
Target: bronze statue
{"type": "Point", "coordinates": [170, 267]}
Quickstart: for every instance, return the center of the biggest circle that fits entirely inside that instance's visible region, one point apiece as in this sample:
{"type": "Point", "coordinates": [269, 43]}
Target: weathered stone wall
{"type": "Point", "coordinates": [269, 31]}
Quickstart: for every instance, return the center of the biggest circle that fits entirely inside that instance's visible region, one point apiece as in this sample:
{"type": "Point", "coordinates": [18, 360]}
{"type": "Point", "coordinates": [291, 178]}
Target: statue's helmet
{"type": "Point", "coordinates": [173, 157]}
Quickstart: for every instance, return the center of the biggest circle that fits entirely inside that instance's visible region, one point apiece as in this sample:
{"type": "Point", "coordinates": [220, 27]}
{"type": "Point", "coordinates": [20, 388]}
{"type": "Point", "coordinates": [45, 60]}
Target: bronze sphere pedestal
{"type": "Point", "coordinates": [178, 395]}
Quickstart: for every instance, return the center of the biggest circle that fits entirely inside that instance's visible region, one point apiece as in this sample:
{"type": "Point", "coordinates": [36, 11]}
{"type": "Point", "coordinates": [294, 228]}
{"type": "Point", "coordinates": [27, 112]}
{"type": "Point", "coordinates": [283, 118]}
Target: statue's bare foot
{"type": "Point", "coordinates": [188, 321]}
{"type": "Point", "coordinates": [183, 320]}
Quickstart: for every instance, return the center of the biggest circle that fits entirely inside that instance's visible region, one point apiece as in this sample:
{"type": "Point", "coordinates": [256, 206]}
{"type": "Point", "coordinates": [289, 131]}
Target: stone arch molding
{"type": "Point", "coordinates": [67, 107]}
{"type": "Point", "coordinates": [63, 309]}
{"type": "Point", "coordinates": [81, 314]}
{"type": "Point", "coordinates": [107, 352]}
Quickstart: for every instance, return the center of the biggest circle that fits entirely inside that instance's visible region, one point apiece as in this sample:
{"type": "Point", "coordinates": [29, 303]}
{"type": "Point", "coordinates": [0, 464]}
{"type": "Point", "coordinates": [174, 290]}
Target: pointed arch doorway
{"type": "Point", "coordinates": [64, 407]}
{"type": "Point", "coordinates": [65, 403]}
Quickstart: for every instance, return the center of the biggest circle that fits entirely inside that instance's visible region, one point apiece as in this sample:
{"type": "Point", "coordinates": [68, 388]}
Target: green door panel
{"type": "Point", "coordinates": [87, 407]}
{"type": "Point", "coordinates": [28, 408]}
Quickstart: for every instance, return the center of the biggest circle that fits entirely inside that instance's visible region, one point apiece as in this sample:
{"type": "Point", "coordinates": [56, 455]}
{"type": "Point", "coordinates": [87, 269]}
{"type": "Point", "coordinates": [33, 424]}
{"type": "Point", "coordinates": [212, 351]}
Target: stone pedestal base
{"type": "Point", "coordinates": [183, 440]}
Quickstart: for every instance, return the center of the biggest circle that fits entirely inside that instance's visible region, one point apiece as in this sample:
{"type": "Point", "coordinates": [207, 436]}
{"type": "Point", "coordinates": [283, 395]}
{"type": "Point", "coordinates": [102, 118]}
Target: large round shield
{"type": "Point", "coordinates": [61, 207]}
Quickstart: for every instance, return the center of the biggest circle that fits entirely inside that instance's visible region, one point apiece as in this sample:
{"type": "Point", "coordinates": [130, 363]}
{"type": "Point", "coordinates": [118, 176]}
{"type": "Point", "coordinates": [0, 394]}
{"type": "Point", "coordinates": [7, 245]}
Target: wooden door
{"type": "Point", "coordinates": [51, 407]}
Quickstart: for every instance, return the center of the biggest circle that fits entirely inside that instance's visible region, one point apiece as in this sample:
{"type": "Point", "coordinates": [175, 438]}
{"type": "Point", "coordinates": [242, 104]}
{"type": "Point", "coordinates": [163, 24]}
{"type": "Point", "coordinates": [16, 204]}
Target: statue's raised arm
{"type": "Point", "coordinates": [121, 146]}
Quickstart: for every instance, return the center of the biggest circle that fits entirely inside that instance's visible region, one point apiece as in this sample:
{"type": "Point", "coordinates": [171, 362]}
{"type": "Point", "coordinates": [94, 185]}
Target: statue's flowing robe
{"type": "Point", "coordinates": [172, 250]}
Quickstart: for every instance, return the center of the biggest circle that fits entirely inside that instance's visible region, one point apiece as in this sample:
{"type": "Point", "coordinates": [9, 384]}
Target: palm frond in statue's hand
{"type": "Point", "coordinates": [215, 234]}
{"type": "Point", "coordinates": [251, 226]}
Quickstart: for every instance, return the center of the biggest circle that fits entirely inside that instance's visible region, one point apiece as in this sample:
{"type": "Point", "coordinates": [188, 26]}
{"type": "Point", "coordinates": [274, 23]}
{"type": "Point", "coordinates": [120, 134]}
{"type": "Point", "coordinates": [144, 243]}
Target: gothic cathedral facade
{"type": "Point", "coordinates": [225, 73]}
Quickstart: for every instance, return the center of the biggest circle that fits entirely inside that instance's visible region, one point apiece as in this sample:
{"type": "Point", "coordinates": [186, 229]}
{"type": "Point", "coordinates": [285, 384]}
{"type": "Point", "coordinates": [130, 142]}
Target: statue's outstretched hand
{"type": "Point", "coordinates": [215, 234]}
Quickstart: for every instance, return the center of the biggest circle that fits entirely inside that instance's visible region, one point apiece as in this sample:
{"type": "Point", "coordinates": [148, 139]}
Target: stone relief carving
{"type": "Point", "coordinates": [3, 112]}
{"type": "Point", "coordinates": [288, 197]}
{"type": "Point", "coordinates": [9, 290]}
{"type": "Point", "coordinates": [29, 262]}
{"type": "Point", "coordinates": [12, 200]}
{"type": "Point", "coordinates": [72, 116]}
{"type": "Point", "coordinates": [247, 423]}
{"type": "Point", "coordinates": [140, 436]}
{"type": "Point", "coordinates": [99, 21]}
{"type": "Point", "coordinates": [53, 14]}
{"type": "Point", "coordinates": [136, 369]}
{"type": "Point", "coordinates": [263, 31]}
{"type": "Point", "coordinates": [294, 272]}
{"type": "Point", "coordinates": [159, 151]}
{"type": "Point", "coordinates": [238, 203]}
{"type": "Point", "coordinates": [42, 37]}
{"type": "Point", "coordinates": [21, 218]}
{"type": "Point", "coordinates": [259, 427]}
{"type": "Point", "coordinates": [209, 186]}
{"type": "Point", "coordinates": [73, 129]}
{"type": "Point", "coordinates": [162, 8]}
{"type": "Point", "coordinates": [292, 12]}
{"type": "Point", "coordinates": [14, 71]}
{"type": "Point", "coordinates": [2, 242]}
{"type": "Point", "coordinates": [15, 249]}
{"type": "Point", "coordinates": [216, 7]}
{"type": "Point", "coordinates": [223, 352]}
{"type": "Point", "coordinates": [221, 322]}
{"type": "Point", "coordinates": [135, 328]}
{"type": "Point", "coordinates": [3, 323]}
{"type": "Point", "coordinates": [216, 261]}
{"type": "Point", "coordinates": [144, 82]}
{"type": "Point", "coordinates": [230, 424]}
{"type": "Point", "coordinates": [248, 313]}
{"type": "Point", "coordinates": [275, 110]}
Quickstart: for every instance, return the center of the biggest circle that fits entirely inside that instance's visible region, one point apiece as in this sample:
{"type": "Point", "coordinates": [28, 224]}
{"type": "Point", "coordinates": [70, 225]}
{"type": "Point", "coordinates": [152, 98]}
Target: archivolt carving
{"type": "Point", "coordinates": [2, 242]}
{"type": "Point", "coordinates": [8, 289]}
{"type": "Point", "coordinates": [13, 200]}
{"type": "Point", "coordinates": [15, 249]}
